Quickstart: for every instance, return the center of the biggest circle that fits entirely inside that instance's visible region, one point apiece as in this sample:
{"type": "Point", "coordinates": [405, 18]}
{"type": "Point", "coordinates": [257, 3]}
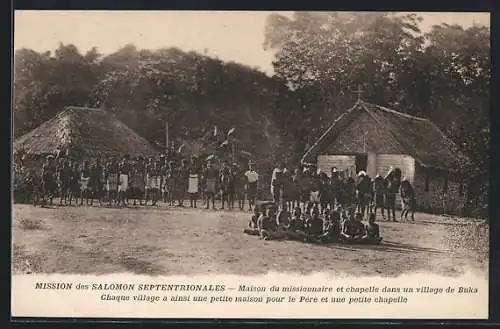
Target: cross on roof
{"type": "Point", "coordinates": [358, 92]}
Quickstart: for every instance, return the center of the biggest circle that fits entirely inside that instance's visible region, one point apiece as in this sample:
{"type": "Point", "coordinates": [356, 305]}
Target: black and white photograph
{"type": "Point", "coordinates": [241, 143]}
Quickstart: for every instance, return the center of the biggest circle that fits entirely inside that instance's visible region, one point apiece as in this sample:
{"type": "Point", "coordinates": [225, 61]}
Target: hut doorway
{"type": "Point", "coordinates": [361, 162]}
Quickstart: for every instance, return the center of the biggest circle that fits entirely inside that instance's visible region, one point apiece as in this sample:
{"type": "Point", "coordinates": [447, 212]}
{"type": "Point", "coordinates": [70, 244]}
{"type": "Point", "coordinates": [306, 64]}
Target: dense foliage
{"type": "Point", "coordinates": [191, 92]}
{"type": "Point", "coordinates": [321, 59]}
{"type": "Point", "coordinates": [443, 75]}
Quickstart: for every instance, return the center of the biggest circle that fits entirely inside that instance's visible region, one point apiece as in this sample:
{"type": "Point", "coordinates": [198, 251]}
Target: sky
{"type": "Point", "coordinates": [230, 36]}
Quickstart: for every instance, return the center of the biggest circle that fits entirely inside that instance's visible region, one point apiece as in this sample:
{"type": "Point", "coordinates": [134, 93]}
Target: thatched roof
{"type": "Point", "coordinates": [86, 131]}
{"type": "Point", "coordinates": [404, 134]}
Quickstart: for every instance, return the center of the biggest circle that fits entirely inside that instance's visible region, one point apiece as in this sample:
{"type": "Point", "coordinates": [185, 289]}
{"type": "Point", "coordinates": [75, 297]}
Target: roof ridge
{"type": "Point", "coordinates": [71, 107]}
{"type": "Point", "coordinates": [409, 116]}
{"type": "Point", "coordinates": [327, 131]}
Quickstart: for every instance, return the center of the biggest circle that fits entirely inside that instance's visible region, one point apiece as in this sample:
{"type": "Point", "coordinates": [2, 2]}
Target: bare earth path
{"type": "Point", "coordinates": [162, 241]}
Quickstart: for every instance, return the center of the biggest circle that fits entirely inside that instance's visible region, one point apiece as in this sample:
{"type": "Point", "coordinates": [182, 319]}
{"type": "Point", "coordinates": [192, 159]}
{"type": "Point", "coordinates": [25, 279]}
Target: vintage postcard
{"type": "Point", "coordinates": [266, 165]}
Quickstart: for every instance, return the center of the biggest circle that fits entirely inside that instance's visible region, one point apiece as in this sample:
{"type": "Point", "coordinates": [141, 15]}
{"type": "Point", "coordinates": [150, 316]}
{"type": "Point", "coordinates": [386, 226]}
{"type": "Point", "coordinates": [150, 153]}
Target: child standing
{"type": "Point", "coordinates": [193, 186]}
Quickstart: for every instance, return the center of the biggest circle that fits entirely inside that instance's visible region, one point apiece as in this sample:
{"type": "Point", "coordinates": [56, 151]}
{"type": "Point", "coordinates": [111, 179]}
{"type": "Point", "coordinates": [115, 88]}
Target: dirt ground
{"type": "Point", "coordinates": [168, 241]}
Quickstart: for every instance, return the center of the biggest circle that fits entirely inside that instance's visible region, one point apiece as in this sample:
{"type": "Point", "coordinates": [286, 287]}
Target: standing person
{"type": "Point", "coordinates": [369, 196]}
{"type": "Point", "coordinates": [59, 176]}
{"type": "Point", "coordinates": [363, 191]}
{"type": "Point", "coordinates": [102, 181]}
{"type": "Point", "coordinates": [336, 188]}
{"type": "Point", "coordinates": [379, 185]}
{"type": "Point", "coordinates": [123, 181]}
{"type": "Point", "coordinates": [252, 177]}
{"type": "Point", "coordinates": [49, 184]}
{"type": "Point", "coordinates": [112, 181]}
{"type": "Point", "coordinates": [315, 195]}
{"type": "Point", "coordinates": [171, 183]}
{"type": "Point", "coordinates": [132, 193]}
{"type": "Point", "coordinates": [393, 179]}
{"type": "Point", "coordinates": [325, 193]}
{"type": "Point", "coordinates": [74, 184]}
{"type": "Point", "coordinates": [96, 185]}
{"type": "Point", "coordinates": [139, 181]}
{"type": "Point", "coordinates": [231, 192]}
{"type": "Point", "coordinates": [34, 185]}
{"type": "Point", "coordinates": [154, 174]}
{"type": "Point", "coordinates": [193, 185]}
{"type": "Point", "coordinates": [183, 177]}
{"type": "Point", "coordinates": [210, 182]}
{"type": "Point", "coordinates": [224, 182]}
{"type": "Point", "coordinates": [295, 188]}
{"type": "Point", "coordinates": [239, 181]}
{"type": "Point", "coordinates": [150, 181]}
{"type": "Point", "coordinates": [86, 191]}
{"type": "Point", "coordinates": [287, 184]}
{"type": "Point", "coordinates": [157, 176]}
{"type": "Point", "coordinates": [407, 199]}
{"type": "Point", "coordinates": [305, 189]}
{"type": "Point", "coordinates": [349, 193]}
{"type": "Point", "coordinates": [62, 177]}
{"type": "Point", "coordinates": [277, 184]}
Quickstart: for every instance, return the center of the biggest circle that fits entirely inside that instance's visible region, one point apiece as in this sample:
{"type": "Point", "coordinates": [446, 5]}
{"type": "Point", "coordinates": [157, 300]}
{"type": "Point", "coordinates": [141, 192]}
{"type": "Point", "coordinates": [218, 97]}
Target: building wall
{"type": "Point", "coordinates": [434, 197]}
{"type": "Point", "coordinates": [377, 163]}
{"type": "Point", "coordinates": [342, 162]}
{"type": "Point", "coordinates": [404, 162]}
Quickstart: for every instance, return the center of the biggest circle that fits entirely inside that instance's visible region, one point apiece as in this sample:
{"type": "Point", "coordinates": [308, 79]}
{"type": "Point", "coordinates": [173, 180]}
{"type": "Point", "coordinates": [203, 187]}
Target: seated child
{"type": "Point", "coordinates": [332, 228]}
{"type": "Point", "coordinates": [353, 229]}
{"type": "Point", "coordinates": [343, 216]}
{"type": "Point", "coordinates": [296, 220]}
{"type": "Point", "coordinates": [372, 235]}
{"type": "Point", "coordinates": [314, 226]}
{"type": "Point", "coordinates": [253, 228]}
{"type": "Point", "coordinates": [267, 226]}
{"type": "Point", "coordinates": [296, 229]}
{"type": "Point", "coordinates": [283, 218]}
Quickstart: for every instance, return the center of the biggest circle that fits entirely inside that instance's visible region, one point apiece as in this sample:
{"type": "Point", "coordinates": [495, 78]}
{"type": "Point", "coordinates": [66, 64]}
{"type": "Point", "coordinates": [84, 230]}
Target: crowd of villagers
{"type": "Point", "coordinates": [310, 206]}
{"type": "Point", "coordinates": [307, 204]}
{"type": "Point", "coordinates": [121, 181]}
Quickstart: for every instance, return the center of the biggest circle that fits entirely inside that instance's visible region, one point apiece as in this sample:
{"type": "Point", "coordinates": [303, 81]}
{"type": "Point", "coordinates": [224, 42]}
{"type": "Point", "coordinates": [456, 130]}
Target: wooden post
{"type": "Point", "coordinates": [166, 136]}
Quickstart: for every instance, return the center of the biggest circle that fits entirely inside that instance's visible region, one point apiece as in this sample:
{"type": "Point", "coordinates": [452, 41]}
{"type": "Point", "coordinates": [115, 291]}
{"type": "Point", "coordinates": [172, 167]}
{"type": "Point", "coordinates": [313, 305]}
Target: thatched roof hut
{"type": "Point", "coordinates": [84, 132]}
{"type": "Point", "coordinates": [391, 132]}
{"type": "Point", "coordinates": [374, 139]}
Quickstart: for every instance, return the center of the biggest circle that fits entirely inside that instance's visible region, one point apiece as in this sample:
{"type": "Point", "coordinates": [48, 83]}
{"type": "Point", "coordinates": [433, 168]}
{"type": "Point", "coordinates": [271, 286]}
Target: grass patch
{"type": "Point", "coordinates": [31, 224]}
{"type": "Point", "coordinates": [473, 236]}
{"type": "Point", "coordinates": [27, 262]}
{"type": "Point", "coordinates": [139, 266]}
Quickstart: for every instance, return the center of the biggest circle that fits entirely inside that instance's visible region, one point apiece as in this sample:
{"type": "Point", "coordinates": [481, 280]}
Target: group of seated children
{"type": "Point", "coordinates": [335, 225]}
